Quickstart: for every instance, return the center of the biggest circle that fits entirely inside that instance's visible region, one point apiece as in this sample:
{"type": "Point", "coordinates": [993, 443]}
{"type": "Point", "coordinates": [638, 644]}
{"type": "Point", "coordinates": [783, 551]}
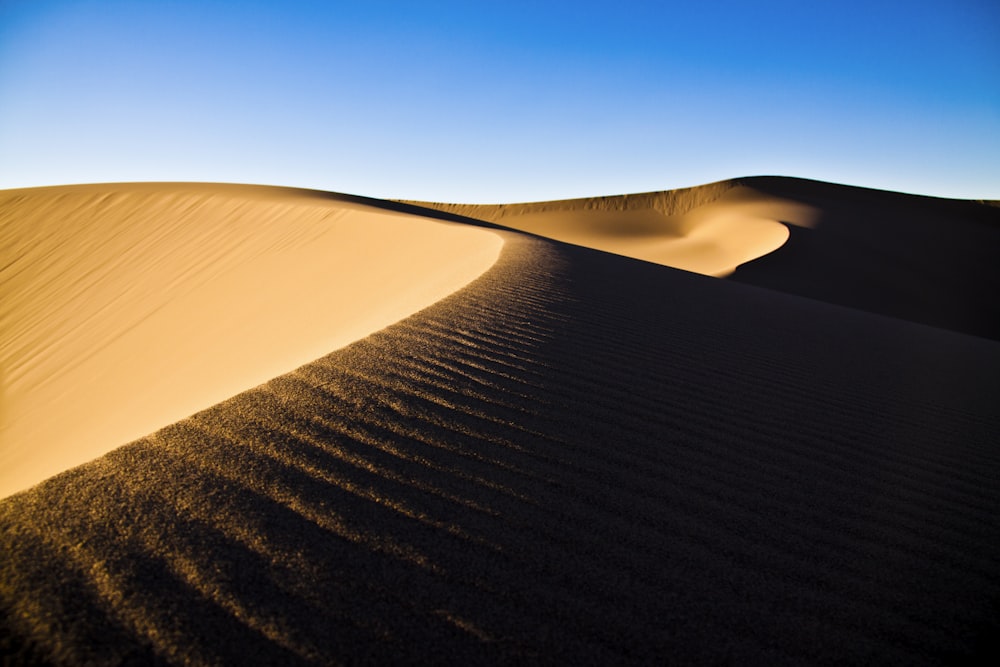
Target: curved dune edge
{"type": "Point", "coordinates": [709, 229]}
{"type": "Point", "coordinates": [125, 308]}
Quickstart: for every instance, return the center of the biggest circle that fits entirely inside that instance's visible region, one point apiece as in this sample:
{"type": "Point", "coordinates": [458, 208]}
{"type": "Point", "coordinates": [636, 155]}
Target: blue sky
{"type": "Point", "coordinates": [502, 100]}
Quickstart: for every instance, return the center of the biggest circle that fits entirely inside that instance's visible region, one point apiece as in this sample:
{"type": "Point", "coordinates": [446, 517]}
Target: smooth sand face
{"type": "Point", "coordinates": [709, 230]}
{"type": "Point", "coordinates": [125, 308]}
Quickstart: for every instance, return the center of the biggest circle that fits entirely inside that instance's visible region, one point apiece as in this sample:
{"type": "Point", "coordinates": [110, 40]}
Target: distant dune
{"type": "Point", "coordinates": [923, 259]}
{"type": "Point", "coordinates": [709, 229]}
{"type": "Point", "coordinates": [547, 453]}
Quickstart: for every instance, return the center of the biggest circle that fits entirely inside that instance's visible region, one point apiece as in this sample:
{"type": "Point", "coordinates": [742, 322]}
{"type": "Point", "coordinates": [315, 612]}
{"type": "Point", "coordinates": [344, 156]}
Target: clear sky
{"type": "Point", "coordinates": [502, 100]}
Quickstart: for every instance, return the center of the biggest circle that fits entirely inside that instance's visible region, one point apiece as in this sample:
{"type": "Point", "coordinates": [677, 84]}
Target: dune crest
{"type": "Point", "coordinates": [128, 307]}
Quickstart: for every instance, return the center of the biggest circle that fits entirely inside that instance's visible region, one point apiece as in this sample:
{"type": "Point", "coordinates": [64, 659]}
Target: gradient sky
{"type": "Point", "coordinates": [483, 100]}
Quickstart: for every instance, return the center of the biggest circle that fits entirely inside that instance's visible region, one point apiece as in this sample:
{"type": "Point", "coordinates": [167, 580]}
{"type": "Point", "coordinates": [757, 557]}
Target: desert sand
{"type": "Point", "coordinates": [584, 455]}
{"type": "Point", "coordinates": [128, 307]}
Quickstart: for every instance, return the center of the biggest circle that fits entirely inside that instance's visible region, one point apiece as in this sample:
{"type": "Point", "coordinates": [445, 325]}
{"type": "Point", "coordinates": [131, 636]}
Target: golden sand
{"type": "Point", "coordinates": [128, 307]}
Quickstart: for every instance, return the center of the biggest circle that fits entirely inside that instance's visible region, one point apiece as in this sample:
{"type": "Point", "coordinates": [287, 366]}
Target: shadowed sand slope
{"type": "Point", "coordinates": [124, 308]}
{"type": "Point", "coordinates": [918, 258]}
{"type": "Point", "coordinates": [579, 458]}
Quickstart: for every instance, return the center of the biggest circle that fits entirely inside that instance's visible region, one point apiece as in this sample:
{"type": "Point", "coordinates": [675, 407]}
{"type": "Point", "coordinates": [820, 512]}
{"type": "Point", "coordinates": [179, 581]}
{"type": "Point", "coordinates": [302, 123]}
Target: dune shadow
{"type": "Point", "coordinates": [921, 259]}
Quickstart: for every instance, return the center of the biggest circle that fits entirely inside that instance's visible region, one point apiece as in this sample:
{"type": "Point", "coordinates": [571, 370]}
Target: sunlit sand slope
{"type": "Point", "coordinates": [709, 229]}
{"type": "Point", "coordinates": [922, 259]}
{"type": "Point", "coordinates": [124, 308]}
{"type": "Point", "coordinates": [579, 458]}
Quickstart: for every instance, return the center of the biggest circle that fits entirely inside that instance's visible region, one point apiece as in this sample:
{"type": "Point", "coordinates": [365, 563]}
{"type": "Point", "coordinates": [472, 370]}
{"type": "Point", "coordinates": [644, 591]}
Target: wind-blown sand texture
{"type": "Point", "coordinates": [578, 458]}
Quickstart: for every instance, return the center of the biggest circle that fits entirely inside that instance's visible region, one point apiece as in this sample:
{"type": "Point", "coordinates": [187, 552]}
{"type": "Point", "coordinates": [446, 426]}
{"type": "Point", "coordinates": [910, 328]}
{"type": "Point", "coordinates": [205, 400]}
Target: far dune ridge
{"type": "Point", "coordinates": [127, 307]}
{"type": "Point", "coordinates": [709, 229]}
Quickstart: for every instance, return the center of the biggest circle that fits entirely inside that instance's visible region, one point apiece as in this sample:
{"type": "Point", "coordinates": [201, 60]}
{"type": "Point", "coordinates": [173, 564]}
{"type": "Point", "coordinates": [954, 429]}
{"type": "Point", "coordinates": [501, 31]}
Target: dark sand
{"type": "Point", "coordinates": [923, 259]}
{"type": "Point", "coordinates": [580, 458]}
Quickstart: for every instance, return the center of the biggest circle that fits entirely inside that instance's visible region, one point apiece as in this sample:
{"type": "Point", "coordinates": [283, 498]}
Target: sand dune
{"type": "Point", "coordinates": [710, 229]}
{"type": "Point", "coordinates": [577, 458]}
{"type": "Point", "coordinates": [126, 308]}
